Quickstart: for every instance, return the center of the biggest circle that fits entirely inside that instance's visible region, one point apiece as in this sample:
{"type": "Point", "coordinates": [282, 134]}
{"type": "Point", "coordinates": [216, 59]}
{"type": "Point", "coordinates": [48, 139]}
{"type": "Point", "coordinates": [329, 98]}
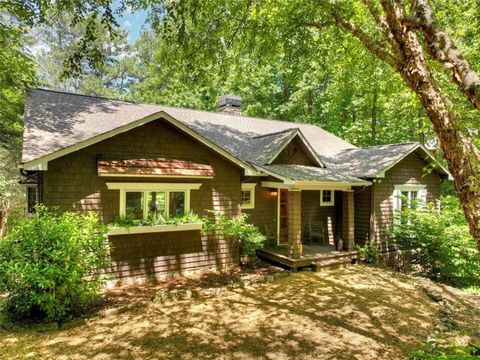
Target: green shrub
{"type": "Point", "coordinates": [446, 251]}
{"type": "Point", "coordinates": [237, 229]}
{"type": "Point", "coordinates": [49, 264]}
{"type": "Point", "coordinates": [369, 252]}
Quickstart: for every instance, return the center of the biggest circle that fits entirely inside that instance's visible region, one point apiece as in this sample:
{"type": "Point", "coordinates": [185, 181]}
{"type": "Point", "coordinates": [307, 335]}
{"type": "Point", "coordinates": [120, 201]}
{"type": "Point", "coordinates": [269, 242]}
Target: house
{"type": "Point", "coordinates": [123, 159]}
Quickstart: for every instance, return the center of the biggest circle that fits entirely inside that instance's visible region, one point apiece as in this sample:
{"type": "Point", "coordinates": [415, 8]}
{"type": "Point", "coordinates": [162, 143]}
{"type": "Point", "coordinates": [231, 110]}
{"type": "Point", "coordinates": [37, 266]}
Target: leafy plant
{"type": "Point", "coordinates": [445, 251]}
{"type": "Point", "coordinates": [183, 219]}
{"type": "Point", "coordinates": [236, 228]}
{"type": "Point", "coordinates": [369, 252]}
{"type": "Point", "coordinates": [50, 264]}
{"type": "Point", "coordinates": [433, 351]}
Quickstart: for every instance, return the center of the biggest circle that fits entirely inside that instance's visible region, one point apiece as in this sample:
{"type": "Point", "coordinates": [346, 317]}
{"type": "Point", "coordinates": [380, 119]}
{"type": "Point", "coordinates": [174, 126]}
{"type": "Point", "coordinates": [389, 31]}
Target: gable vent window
{"type": "Point", "coordinates": [327, 198]}
{"type": "Point", "coordinates": [248, 196]}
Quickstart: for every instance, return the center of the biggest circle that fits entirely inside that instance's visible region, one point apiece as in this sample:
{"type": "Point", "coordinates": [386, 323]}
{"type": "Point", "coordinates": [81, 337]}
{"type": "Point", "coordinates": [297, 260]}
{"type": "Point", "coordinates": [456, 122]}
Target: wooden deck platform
{"type": "Point", "coordinates": [315, 257]}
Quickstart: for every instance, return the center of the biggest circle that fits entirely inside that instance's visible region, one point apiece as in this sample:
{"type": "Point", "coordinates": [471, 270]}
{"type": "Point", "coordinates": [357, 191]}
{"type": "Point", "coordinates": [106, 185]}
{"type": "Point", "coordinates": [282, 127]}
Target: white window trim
{"type": "Point", "coordinates": [149, 187]}
{"type": "Point", "coordinates": [152, 186]}
{"type": "Point", "coordinates": [397, 200]}
{"type": "Point", "coordinates": [145, 202]}
{"type": "Point", "coordinates": [27, 213]}
{"type": "Point", "coordinates": [251, 188]}
{"type": "Point", "coordinates": [327, 203]}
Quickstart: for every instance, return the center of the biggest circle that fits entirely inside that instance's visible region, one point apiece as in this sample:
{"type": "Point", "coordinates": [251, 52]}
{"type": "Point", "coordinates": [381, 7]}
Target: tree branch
{"type": "Point", "coordinates": [375, 47]}
{"type": "Point", "coordinates": [383, 26]}
{"type": "Point", "coordinates": [442, 49]}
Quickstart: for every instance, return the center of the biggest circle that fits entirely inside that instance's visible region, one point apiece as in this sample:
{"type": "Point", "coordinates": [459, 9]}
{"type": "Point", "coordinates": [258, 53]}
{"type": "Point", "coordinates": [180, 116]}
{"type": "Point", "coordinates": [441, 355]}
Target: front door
{"type": "Point", "coordinates": [283, 217]}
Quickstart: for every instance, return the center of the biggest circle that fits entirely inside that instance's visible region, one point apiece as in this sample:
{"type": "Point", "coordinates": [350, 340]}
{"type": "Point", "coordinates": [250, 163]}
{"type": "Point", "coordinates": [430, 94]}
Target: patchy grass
{"type": "Point", "coordinates": [357, 313]}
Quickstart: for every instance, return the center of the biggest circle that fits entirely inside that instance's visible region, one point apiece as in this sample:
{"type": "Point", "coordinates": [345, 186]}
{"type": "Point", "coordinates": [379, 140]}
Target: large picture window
{"type": "Point", "coordinates": [153, 205]}
{"type": "Point", "coordinates": [153, 201]}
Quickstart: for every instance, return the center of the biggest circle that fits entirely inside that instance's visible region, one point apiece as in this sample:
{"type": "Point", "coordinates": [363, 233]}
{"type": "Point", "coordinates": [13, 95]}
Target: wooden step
{"type": "Point", "coordinates": [332, 264]}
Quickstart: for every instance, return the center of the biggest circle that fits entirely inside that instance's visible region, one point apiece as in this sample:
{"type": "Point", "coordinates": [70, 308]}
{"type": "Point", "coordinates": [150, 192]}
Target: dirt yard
{"type": "Point", "coordinates": [356, 313]}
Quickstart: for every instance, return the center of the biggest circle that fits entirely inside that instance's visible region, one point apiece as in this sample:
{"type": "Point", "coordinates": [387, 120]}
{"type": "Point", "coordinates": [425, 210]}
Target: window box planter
{"type": "Point", "coordinates": [144, 229]}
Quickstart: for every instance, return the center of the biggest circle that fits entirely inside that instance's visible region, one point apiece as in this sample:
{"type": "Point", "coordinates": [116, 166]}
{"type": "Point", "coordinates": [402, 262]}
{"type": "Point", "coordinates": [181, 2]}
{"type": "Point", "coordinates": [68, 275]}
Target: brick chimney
{"type": "Point", "coordinates": [230, 104]}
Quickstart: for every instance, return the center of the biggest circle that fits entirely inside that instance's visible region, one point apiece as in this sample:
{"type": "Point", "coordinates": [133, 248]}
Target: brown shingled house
{"type": "Point", "coordinates": [299, 183]}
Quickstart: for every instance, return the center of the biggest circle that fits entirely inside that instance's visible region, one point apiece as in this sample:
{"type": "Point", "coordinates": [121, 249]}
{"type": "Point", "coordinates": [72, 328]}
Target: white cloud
{"type": "Point", "coordinates": [127, 24]}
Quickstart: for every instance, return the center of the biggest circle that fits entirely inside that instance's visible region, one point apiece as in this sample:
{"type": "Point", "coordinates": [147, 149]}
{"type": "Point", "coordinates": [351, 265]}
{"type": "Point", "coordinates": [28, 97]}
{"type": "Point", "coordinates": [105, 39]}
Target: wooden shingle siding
{"type": "Point", "coordinates": [294, 153]}
{"type": "Point", "coordinates": [154, 167]}
{"type": "Point", "coordinates": [72, 183]}
{"type": "Point", "coordinates": [312, 211]}
{"type": "Point", "coordinates": [265, 211]}
{"type": "Point", "coordinates": [408, 171]}
{"type": "Point", "coordinates": [362, 214]}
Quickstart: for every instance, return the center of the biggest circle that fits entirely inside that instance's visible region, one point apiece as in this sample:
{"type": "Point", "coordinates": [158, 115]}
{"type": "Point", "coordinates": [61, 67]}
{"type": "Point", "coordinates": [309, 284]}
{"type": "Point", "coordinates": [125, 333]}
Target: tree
{"type": "Point", "coordinates": [406, 37]}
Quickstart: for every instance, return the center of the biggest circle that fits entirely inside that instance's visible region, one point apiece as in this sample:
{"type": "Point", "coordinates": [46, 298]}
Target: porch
{"type": "Point", "coordinates": [315, 257]}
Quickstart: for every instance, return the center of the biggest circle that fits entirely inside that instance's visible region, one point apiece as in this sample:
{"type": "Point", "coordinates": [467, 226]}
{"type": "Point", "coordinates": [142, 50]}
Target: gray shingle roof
{"type": "Point", "coordinates": [371, 161]}
{"type": "Point", "coordinates": [56, 120]}
{"type": "Point", "coordinates": [310, 173]}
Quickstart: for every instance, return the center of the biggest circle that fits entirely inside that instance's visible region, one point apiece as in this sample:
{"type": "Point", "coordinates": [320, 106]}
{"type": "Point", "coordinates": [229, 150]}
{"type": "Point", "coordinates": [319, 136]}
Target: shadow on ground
{"type": "Point", "coordinates": [358, 313]}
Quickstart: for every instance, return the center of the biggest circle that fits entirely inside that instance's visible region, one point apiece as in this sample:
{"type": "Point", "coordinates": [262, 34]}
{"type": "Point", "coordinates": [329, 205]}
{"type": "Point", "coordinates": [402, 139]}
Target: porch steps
{"type": "Point", "coordinates": [336, 263]}
{"type": "Point", "coordinates": [316, 262]}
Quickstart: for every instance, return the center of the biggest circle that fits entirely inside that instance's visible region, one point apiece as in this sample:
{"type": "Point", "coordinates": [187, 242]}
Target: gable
{"type": "Point", "coordinates": [156, 139]}
{"type": "Point", "coordinates": [295, 153]}
{"type": "Point", "coordinates": [412, 169]}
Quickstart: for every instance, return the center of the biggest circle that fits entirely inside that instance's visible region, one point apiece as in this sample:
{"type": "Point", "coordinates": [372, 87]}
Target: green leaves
{"type": "Point", "coordinates": [237, 229]}
{"type": "Point", "coordinates": [446, 250]}
{"type": "Point", "coordinates": [51, 264]}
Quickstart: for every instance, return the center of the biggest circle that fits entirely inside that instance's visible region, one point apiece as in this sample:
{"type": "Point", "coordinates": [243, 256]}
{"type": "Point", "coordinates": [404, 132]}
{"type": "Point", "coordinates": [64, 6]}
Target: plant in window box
{"type": "Point", "coordinates": [158, 223]}
{"type": "Point", "coordinates": [236, 229]}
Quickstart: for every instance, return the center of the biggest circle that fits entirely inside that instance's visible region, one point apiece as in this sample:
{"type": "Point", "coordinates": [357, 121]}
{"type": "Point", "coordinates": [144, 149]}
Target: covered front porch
{"type": "Point", "coordinates": [315, 220]}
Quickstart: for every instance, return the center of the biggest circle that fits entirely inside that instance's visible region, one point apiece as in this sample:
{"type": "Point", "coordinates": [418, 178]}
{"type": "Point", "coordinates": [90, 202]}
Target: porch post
{"type": "Point", "coordinates": [348, 221]}
{"type": "Point", "coordinates": [295, 223]}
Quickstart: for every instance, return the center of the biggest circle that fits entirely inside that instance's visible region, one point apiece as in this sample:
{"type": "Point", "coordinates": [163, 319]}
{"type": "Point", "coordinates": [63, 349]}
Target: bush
{"type": "Point", "coordinates": [369, 252]}
{"type": "Point", "coordinates": [49, 264]}
{"type": "Point", "coordinates": [236, 229]}
{"type": "Point", "coordinates": [446, 251]}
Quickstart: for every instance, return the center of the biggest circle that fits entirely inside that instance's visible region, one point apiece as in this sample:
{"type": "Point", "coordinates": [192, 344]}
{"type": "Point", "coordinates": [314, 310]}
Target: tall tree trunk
{"type": "Point", "coordinates": [460, 152]}
{"type": "Point", "coordinates": [403, 51]}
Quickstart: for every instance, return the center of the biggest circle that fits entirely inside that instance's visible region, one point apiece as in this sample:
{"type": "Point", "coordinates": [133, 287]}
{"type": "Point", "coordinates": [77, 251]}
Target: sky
{"type": "Point", "coordinates": [132, 21]}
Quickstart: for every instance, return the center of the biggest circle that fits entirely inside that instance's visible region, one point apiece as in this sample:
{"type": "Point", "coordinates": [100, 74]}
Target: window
{"type": "Point", "coordinates": [153, 201]}
{"type": "Point", "coordinates": [161, 204]}
{"type": "Point", "coordinates": [408, 197]}
{"type": "Point", "coordinates": [248, 196]}
{"type": "Point", "coordinates": [327, 198]}
{"type": "Point", "coordinates": [32, 199]}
